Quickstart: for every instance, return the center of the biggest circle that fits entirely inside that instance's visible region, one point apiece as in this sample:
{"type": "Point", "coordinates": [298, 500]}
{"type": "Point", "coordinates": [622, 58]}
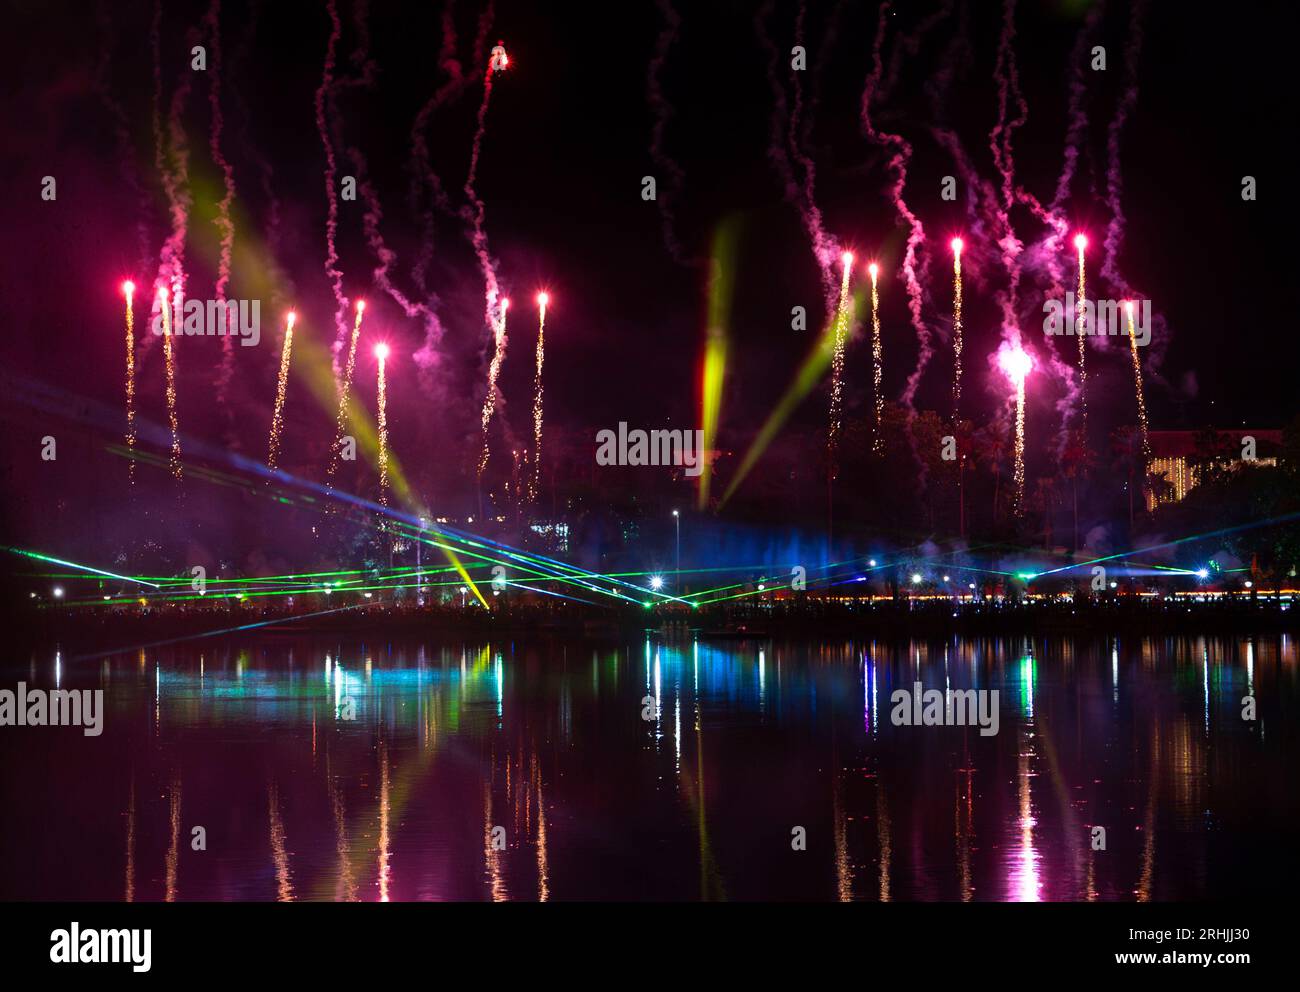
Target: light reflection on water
{"type": "Point", "coordinates": [554, 769]}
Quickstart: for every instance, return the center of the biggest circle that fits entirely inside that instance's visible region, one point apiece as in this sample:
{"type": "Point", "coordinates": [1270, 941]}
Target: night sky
{"type": "Point", "coordinates": [566, 145]}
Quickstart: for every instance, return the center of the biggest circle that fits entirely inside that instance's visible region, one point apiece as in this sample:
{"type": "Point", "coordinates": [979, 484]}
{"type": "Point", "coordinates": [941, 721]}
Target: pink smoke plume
{"type": "Point", "coordinates": [898, 162]}
{"type": "Point", "coordinates": [474, 211]}
{"type": "Point", "coordinates": [1114, 177]}
{"type": "Point", "coordinates": [826, 251]}
{"type": "Point", "coordinates": [332, 271]}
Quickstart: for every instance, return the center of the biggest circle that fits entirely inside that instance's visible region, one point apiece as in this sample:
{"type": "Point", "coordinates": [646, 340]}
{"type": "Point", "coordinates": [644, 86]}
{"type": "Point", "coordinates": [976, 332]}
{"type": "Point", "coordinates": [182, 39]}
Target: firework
{"type": "Point", "coordinates": [877, 361]}
{"type": "Point", "coordinates": [345, 386]}
{"type": "Point", "coordinates": [956, 328]}
{"type": "Point", "coordinates": [1016, 363]}
{"type": "Point", "coordinates": [1080, 329]}
{"type": "Point", "coordinates": [381, 353]}
{"type": "Point", "coordinates": [542, 300]}
{"type": "Point", "coordinates": [277, 419]}
{"type": "Point", "coordinates": [494, 372]}
{"type": "Point", "coordinates": [169, 353]}
{"type": "Point", "coordinates": [1137, 381]}
{"type": "Point", "coordinates": [837, 362]}
{"type": "Point", "coordinates": [128, 290]}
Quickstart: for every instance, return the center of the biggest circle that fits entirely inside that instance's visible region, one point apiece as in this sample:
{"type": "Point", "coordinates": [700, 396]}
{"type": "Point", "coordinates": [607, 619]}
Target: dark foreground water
{"type": "Point", "coordinates": [552, 769]}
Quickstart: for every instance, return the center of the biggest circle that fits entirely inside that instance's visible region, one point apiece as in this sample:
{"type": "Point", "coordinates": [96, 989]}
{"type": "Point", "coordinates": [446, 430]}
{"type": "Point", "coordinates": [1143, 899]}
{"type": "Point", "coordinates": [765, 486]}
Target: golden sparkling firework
{"type": "Point", "coordinates": [542, 300]}
{"type": "Point", "coordinates": [494, 371]}
{"type": "Point", "coordinates": [956, 329]}
{"type": "Point", "coordinates": [1080, 327]}
{"type": "Point", "coordinates": [1019, 474]}
{"type": "Point", "coordinates": [877, 363]}
{"type": "Point", "coordinates": [345, 387]}
{"type": "Point", "coordinates": [128, 288]}
{"type": "Point", "coordinates": [169, 355]}
{"type": "Point", "coordinates": [837, 363]}
{"type": "Point", "coordinates": [1137, 382]}
{"type": "Point", "coordinates": [381, 352]}
{"type": "Point", "coordinates": [277, 419]}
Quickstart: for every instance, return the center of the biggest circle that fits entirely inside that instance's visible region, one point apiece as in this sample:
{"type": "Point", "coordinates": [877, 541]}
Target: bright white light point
{"type": "Point", "coordinates": [162, 292]}
{"type": "Point", "coordinates": [656, 582]}
{"type": "Point", "coordinates": [916, 578]}
{"type": "Point", "coordinates": [761, 587]}
{"type": "Point", "coordinates": [1203, 573]}
{"type": "Point", "coordinates": [1128, 305]}
{"type": "Point", "coordinates": [1249, 584]}
{"type": "Point", "coordinates": [972, 585]}
{"type": "Point", "coordinates": [361, 306]}
{"type": "Point", "coordinates": [505, 304]}
{"type": "Point", "coordinates": [956, 246]}
{"type": "Point", "coordinates": [1114, 585]}
{"type": "Point", "coordinates": [847, 258]}
{"type": "Point", "coordinates": [1016, 364]}
{"type": "Point", "coordinates": [874, 269]}
{"type": "Point", "coordinates": [871, 562]}
{"type": "Point", "coordinates": [293, 317]}
{"type": "Point", "coordinates": [1081, 241]}
{"type": "Point", "coordinates": [58, 592]}
{"type": "Point", "coordinates": [128, 287]}
{"type": "Point", "coordinates": [946, 579]}
{"type": "Point", "coordinates": [543, 299]}
{"type": "Point", "coordinates": [381, 351]}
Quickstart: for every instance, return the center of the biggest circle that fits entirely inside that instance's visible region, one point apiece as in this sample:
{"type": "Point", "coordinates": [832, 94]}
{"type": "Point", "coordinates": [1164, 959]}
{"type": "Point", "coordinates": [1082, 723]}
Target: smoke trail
{"type": "Point", "coordinates": [1114, 177]}
{"type": "Point", "coordinates": [667, 192]}
{"type": "Point", "coordinates": [825, 251]}
{"type": "Point", "coordinates": [122, 134]}
{"type": "Point", "coordinates": [898, 162]}
{"type": "Point", "coordinates": [1077, 111]}
{"type": "Point", "coordinates": [223, 221]}
{"type": "Point", "coordinates": [1007, 78]}
{"type": "Point", "coordinates": [332, 271]}
{"type": "Point", "coordinates": [909, 44]}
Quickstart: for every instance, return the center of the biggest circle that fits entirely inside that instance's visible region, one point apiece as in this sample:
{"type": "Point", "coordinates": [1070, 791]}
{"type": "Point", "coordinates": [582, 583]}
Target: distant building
{"type": "Point", "coordinates": [1178, 458]}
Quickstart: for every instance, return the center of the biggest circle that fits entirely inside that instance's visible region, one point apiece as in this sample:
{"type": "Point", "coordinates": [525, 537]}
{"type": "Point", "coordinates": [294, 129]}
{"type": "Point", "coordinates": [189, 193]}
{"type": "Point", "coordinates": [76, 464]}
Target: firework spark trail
{"type": "Point", "coordinates": [1137, 382]}
{"type": "Point", "coordinates": [1114, 177]}
{"type": "Point", "coordinates": [662, 111]}
{"type": "Point", "coordinates": [169, 354]}
{"type": "Point", "coordinates": [494, 371]}
{"type": "Point", "coordinates": [277, 418]}
{"type": "Point", "coordinates": [381, 352]}
{"type": "Point", "coordinates": [332, 271]}
{"type": "Point", "coordinates": [837, 366]}
{"type": "Point", "coordinates": [1016, 364]}
{"type": "Point", "coordinates": [877, 365]}
{"type": "Point", "coordinates": [800, 195]}
{"type": "Point", "coordinates": [956, 330]}
{"type": "Point", "coordinates": [345, 387]}
{"type": "Point", "coordinates": [898, 162]}
{"type": "Point", "coordinates": [128, 289]}
{"type": "Point", "coordinates": [224, 224]}
{"type": "Point", "coordinates": [494, 306]}
{"type": "Point", "coordinates": [1081, 330]}
{"type": "Point", "coordinates": [542, 300]}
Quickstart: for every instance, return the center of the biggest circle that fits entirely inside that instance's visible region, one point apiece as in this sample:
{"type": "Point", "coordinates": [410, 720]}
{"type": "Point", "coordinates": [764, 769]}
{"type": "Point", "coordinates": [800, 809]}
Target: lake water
{"type": "Point", "coordinates": [556, 769]}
